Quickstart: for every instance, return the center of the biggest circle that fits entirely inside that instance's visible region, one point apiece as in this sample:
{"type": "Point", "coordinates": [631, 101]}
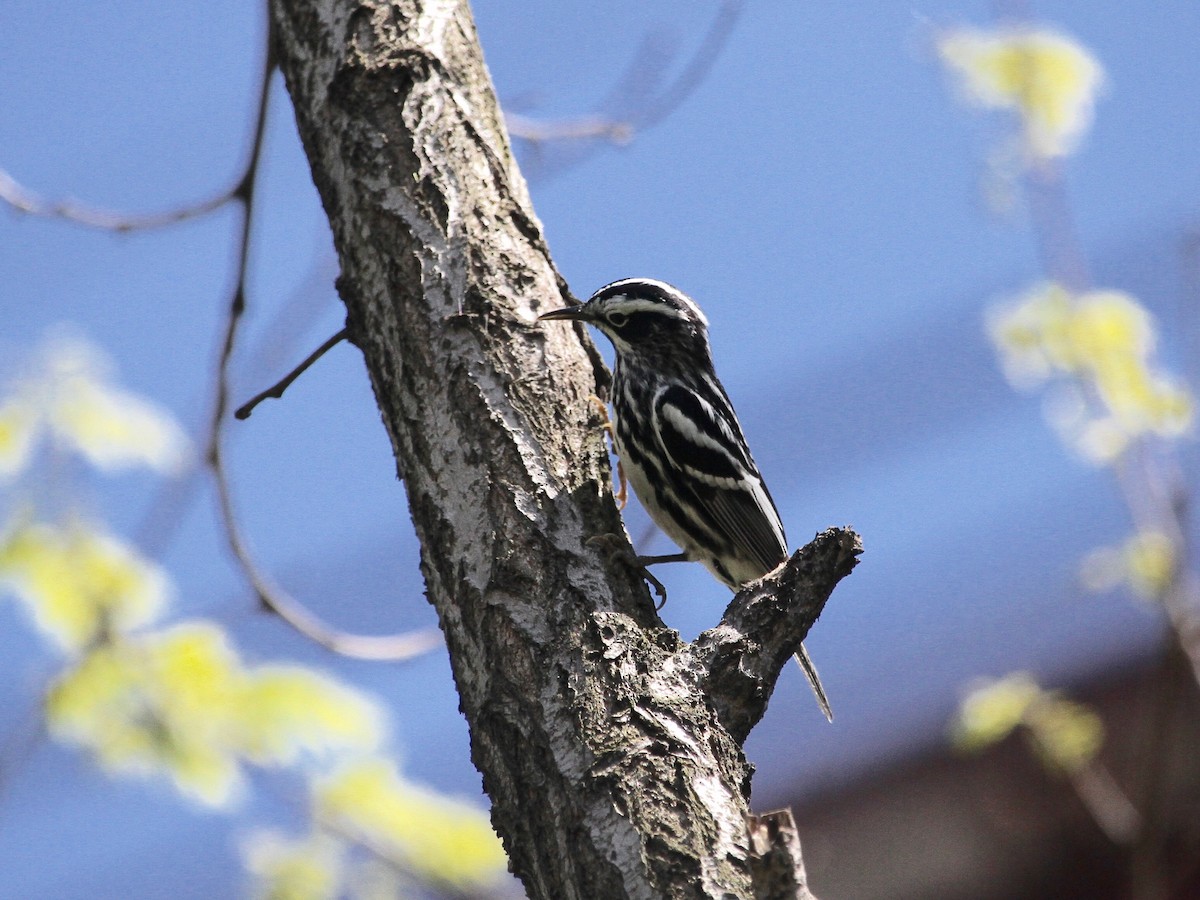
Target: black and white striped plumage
{"type": "Point", "coordinates": [679, 440]}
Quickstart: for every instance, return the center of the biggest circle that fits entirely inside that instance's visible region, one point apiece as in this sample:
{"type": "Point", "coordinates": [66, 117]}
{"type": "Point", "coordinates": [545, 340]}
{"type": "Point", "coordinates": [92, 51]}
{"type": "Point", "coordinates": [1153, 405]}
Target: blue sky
{"type": "Point", "coordinates": [819, 195]}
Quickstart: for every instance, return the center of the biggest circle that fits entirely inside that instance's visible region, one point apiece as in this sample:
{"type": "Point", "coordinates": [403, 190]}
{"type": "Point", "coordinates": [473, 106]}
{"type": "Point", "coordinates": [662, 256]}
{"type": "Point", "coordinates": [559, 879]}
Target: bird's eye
{"type": "Point", "coordinates": [617, 320]}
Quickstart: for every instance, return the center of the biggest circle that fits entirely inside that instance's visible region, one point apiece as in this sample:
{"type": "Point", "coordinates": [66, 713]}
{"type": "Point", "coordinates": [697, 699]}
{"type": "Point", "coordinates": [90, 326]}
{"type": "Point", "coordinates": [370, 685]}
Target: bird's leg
{"type": "Point", "coordinates": [644, 561]}
{"type": "Point", "coordinates": [622, 492]}
{"type": "Point", "coordinates": [618, 549]}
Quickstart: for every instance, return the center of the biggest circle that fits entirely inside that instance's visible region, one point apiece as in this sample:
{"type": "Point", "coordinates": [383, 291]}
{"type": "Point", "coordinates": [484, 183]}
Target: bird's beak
{"type": "Point", "coordinates": [568, 312]}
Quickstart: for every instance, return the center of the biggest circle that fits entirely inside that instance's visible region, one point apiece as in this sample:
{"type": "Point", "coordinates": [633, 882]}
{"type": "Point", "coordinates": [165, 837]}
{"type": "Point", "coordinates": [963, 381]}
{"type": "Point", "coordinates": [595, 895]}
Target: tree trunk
{"type": "Point", "coordinates": [611, 750]}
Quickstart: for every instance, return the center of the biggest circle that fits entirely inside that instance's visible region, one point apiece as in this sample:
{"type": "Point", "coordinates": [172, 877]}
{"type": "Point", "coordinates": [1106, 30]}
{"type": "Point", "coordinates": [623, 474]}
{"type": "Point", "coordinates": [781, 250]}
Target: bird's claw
{"type": "Point", "coordinates": [617, 549]}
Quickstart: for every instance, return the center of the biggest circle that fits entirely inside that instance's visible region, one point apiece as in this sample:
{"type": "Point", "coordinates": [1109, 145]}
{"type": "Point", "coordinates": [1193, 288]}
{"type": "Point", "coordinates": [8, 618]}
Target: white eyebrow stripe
{"type": "Point", "coordinates": [629, 306]}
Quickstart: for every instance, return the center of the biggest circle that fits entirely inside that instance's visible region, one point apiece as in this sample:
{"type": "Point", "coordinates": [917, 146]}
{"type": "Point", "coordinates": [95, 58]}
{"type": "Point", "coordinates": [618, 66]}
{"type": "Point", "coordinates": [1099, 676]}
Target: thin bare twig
{"type": "Point", "coordinates": [386, 647]}
{"type": "Point", "coordinates": [580, 128]}
{"type": "Point", "coordinates": [276, 390]}
{"type": "Point", "coordinates": [621, 127]}
{"type": "Point", "coordinates": [20, 198]}
{"type": "Point", "coordinates": [1110, 807]}
{"type": "Point", "coordinates": [26, 201]}
{"type": "Point", "coordinates": [174, 497]}
{"type": "Point", "coordinates": [698, 66]}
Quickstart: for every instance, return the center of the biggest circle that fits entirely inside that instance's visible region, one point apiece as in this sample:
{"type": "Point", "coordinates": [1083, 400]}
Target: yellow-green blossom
{"type": "Point", "coordinates": [19, 427]}
{"type": "Point", "coordinates": [69, 397]}
{"type": "Point", "coordinates": [1048, 79]}
{"type": "Point", "coordinates": [1146, 562]}
{"type": "Point", "coordinates": [181, 702]}
{"type": "Point", "coordinates": [993, 709]}
{"type": "Point", "coordinates": [78, 582]}
{"type": "Point", "coordinates": [1066, 735]}
{"type": "Point", "coordinates": [1105, 340]}
{"type": "Point", "coordinates": [309, 868]}
{"type": "Point", "coordinates": [437, 838]}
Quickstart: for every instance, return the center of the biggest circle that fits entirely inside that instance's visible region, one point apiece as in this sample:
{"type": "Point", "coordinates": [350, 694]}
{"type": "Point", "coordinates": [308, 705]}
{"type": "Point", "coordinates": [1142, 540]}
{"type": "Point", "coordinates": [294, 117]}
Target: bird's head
{"type": "Point", "coordinates": [643, 317]}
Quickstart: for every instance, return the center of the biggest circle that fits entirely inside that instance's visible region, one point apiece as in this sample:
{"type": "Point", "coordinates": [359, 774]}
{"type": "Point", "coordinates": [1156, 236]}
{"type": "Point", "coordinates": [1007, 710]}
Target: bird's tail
{"type": "Point", "coordinates": [804, 661]}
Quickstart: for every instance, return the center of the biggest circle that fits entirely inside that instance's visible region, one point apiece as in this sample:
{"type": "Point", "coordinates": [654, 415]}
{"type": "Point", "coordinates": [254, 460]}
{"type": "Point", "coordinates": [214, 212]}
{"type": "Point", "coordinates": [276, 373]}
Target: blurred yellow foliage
{"type": "Point", "coordinates": [69, 396]}
{"type": "Point", "coordinates": [1049, 80]}
{"type": "Point", "coordinates": [993, 709]}
{"type": "Point", "coordinates": [18, 429]}
{"type": "Point", "coordinates": [1104, 339]}
{"type": "Point", "coordinates": [1033, 334]}
{"type": "Point", "coordinates": [1066, 735]}
{"type": "Point", "coordinates": [307, 869]}
{"type": "Point", "coordinates": [287, 710]}
{"type": "Point", "coordinates": [1146, 562]}
{"type": "Point", "coordinates": [1151, 561]}
{"type": "Point", "coordinates": [79, 583]}
{"type": "Point", "coordinates": [180, 702]}
{"type": "Point", "coordinates": [439, 839]}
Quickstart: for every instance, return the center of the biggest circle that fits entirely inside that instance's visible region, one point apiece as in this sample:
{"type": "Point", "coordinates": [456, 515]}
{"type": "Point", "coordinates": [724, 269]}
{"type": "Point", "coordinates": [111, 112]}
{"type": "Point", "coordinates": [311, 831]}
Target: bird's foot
{"type": "Point", "coordinates": [617, 548]}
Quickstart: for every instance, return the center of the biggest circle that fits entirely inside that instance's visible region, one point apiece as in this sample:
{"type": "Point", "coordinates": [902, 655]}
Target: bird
{"type": "Point", "coordinates": [679, 440]}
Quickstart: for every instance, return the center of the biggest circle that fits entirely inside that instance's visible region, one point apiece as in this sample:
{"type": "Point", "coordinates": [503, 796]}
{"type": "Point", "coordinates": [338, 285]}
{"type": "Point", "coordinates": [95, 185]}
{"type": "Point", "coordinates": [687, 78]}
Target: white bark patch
{"type": "Point", "coordinates": [495, 395]}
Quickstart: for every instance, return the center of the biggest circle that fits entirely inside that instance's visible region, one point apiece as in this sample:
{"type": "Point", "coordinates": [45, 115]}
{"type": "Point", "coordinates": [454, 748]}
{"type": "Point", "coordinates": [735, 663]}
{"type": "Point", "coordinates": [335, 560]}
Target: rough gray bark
{"type": "Point", "coordinates": [779, 871]}
{"type": "Point", "coordinates": [609, 769]}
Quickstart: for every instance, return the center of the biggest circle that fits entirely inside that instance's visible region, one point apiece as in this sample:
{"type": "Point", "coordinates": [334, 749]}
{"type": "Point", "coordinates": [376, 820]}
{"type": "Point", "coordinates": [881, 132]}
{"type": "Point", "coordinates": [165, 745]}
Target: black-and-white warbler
{"type": "Point", "coordinates": [679, 439]}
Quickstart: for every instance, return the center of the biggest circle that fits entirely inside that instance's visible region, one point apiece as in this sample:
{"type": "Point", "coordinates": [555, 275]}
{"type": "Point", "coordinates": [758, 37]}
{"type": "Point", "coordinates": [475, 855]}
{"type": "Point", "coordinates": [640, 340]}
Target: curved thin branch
{"type": "Point", "coordinates": [698, 66]}
{"type": "Point", "coordinates": [387, 647]}
{"type": "Point", "coordinates": [23, 200]}
{"type": "Point", "coordinates": [577, 128]}
{"type": "Point", "coordinates": [621, 128]}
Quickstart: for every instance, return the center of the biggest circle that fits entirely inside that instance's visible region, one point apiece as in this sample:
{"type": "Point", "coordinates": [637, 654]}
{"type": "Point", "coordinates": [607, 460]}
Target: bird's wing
{"type": "Point", "coordinates": [702, 437]}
